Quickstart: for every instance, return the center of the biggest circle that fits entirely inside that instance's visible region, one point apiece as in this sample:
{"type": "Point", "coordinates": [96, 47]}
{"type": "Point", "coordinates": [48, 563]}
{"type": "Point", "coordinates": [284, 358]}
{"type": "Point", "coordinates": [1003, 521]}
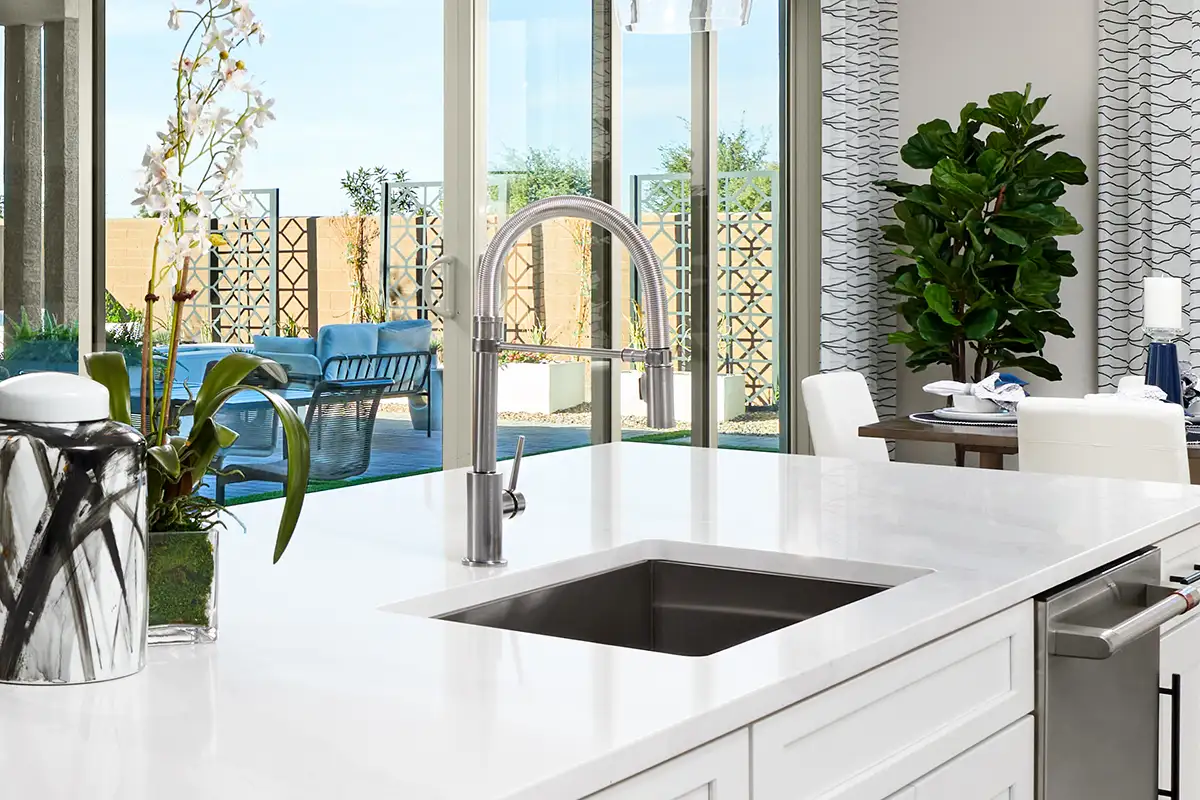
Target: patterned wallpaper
{"type": "Point", "coordinates": [860, 144]}
{"type": "Point", "coordinates": [1149, 168]}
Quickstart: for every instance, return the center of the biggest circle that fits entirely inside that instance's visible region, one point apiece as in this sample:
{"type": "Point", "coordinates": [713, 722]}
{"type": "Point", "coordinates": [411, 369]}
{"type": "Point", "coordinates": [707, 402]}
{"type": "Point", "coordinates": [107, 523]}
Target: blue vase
{"type": "Point", "coordinates": [1162, 370]}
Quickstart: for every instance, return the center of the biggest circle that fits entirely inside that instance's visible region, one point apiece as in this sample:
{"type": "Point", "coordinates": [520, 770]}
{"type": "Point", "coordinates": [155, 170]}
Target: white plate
{"type": "Point", "coordinates": [958, 415]}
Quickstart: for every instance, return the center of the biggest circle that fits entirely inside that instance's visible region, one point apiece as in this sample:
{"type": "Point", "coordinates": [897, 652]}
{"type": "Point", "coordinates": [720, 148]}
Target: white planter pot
{"type": "Point", "coordinates": [731, 396]}
{"type": "Point", "coordinates": [541, 388]}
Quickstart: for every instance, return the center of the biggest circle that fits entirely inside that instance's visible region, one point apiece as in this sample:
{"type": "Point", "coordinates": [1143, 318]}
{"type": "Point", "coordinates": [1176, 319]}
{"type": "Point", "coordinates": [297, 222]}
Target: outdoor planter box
{"type": "Point", "coordinates": [731, 396]}
{"type": "Point", "coordinates": [542, 388]}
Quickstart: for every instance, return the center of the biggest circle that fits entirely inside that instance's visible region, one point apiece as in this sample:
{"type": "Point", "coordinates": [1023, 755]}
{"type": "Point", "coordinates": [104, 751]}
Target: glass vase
{"type": "Point", "coordinates": [182, 582]}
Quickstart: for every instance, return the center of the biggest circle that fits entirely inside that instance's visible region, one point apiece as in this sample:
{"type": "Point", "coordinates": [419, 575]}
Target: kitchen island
{"type": "Point", "coordinates": [330, 680]}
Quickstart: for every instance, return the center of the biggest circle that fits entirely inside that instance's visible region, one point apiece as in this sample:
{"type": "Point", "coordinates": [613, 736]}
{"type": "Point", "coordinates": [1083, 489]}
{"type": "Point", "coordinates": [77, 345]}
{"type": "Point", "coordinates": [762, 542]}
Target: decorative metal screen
{"type": "Point", "coordinates": [411, 239]}
{"type": "Point", "coordinates": [296, 278]}
{"type": "Point", "coordinates": [747, 320]}
{"type": "Point", "coordinates": [236, 295]}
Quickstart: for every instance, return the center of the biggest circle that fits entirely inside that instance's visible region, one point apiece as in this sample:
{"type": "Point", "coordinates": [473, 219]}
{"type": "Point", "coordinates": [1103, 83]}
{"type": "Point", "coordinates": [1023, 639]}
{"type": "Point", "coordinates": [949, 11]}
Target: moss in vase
{"type": "Point", "coordinates": [180, 569]}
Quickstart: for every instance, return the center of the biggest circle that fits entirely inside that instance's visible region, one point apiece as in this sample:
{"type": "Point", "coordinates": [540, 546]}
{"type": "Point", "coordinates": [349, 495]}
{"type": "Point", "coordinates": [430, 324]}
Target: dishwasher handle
{"type": "Point", "coordinates": [1085, 641]}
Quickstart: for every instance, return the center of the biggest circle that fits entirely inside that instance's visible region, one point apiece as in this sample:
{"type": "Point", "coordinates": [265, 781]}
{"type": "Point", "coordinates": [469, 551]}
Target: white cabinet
{"type": "Point", "coordinates": [999, 769]}
{"type": "Point", "coordinates": [1181, 667]}
{"type": "Point", "coordinates": [719, 770]}
{"type": "Point", "coordinates": [867, 737]}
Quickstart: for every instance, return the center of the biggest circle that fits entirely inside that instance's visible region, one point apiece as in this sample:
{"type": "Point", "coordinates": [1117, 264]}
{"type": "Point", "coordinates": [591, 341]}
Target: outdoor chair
{"type": "Point", "coordinates": [340, 422]}
{"type": "Point", "coordinates": [408, 374]}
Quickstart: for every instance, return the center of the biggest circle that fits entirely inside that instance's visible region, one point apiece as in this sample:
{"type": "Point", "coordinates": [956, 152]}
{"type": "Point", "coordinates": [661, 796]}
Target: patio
{"type": "Point", "coordinates": [397, 449]}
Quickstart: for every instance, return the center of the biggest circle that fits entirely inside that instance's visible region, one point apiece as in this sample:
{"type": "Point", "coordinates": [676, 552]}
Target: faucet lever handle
{"type": "Point", "coordinates": [516, 465]}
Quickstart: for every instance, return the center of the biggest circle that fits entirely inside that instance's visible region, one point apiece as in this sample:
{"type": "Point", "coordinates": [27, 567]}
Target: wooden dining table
{"type": "Point", "coordinates": [991, 443]}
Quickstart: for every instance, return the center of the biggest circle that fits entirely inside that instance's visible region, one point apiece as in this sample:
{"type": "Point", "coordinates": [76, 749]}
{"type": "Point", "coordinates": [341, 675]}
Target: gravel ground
{"type": "Point", "coordinates": [754, 423]}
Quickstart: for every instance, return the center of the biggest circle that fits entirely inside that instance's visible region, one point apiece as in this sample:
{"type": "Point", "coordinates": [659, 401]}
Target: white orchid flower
{"type": "Point", "coordinates": [203, 203]}
{"type": "Point", "coordinates": [262, 113]}
{"type": "Point", "coordinates": [173, 18]}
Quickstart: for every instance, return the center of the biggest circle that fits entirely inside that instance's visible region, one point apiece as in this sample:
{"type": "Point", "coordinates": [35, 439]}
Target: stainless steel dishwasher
{"type": "Point", "coordinates": [1097, 682]}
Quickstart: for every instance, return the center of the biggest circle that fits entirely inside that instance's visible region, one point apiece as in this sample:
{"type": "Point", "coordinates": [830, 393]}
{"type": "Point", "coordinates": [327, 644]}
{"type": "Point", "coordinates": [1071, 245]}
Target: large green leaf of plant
{"type": "Point", "coordinates": [934, 330]}
{"type": "Point", "coordinates": [939, 300]}
{"type": "Point", "coordinates": [109, 370]}
{"type": "Point", "coordinates": [927, 146]}
{"type": "Point", "coordinates": [979, 323]}
{"type": "Point", "coordinates": [231, 371]}
{"type": "Point", "coordinates": [295, 438]}
{"type": "Point", "coordinates": [953, 179]}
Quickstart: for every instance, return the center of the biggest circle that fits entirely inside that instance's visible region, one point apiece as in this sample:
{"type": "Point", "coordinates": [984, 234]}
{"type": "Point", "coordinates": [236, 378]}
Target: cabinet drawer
{"type": "Point", "coordinates": [875, 734]}
{"type": "Point", "coordinates": [1001, 767]}
{"type": "Point", "coordinates": [719, 770]}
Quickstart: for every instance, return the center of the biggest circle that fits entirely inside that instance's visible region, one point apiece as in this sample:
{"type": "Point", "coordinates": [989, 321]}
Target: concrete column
{"type": "Point", "coordinates": [62, 169]}
{"type": "Point", "coordinates": [22, 287]}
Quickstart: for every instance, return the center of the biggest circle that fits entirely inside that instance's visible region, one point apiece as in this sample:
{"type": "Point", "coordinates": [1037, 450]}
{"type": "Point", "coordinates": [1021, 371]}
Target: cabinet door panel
{"type": "Point", "coordinates": [1181, 656]}
{"type": "Point", "coordinates": [999, 769]}
{"type": "Point", "coordinates": [719, 770]}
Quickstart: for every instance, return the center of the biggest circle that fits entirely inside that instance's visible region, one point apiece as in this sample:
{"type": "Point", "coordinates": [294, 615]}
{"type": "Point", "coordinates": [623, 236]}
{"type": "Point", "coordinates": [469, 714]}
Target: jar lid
{"type": "Point", "coordinates": [52, 397]}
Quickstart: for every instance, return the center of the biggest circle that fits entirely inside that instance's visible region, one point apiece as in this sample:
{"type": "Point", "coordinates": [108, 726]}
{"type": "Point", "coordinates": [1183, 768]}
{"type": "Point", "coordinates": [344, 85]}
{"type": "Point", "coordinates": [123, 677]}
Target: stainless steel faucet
{"type": "Point", "coordinates": [489, 503]}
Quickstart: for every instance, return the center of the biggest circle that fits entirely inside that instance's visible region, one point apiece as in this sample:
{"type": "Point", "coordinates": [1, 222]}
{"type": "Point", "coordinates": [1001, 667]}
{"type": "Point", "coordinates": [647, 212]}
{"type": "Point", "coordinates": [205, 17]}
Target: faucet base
{"type": "Point", "coordinates": [469, 563]}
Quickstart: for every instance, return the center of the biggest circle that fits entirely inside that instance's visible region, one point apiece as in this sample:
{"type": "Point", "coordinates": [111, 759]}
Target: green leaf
{"type": "Point", "coordinates": [927, 146]}
{"type": "Point", "coordinates": [167, 460]}
{"type": "Point", "coordinates": [926, 200]}
{"type": "Point", "coordinates": [1061, 166]}
{"type": "Point", "coordinates": [1037, 144]}
{"type": "Point", "coordinates": [980, 322]}
{"type": "Point", "coordinates": [109, 370]}
{"type": "Point", "coordinates": [1009, 105]}
{"type": "Point", "coordinates": [912, 309]}
{"type": "Point", "coordinates": [1033, 108]}
{"type": "Point", "coordinates": [954, 179]}
{"type": "Point", "coordinates": [906, 284]}
{"type": "Point", "coordinates": [225, 436]}
{"type": "Point", "coordinates": [999, 141]}
{"type": "Point", "coordinates": [921, 359]}
{"type": "Point", "coordinates": [295, 439]}
{"type": "Point", "coordinates": [1032, 284]}
{"type": "Point", "coordinates": [1007, 235]}
{"type": "Point", "coordinates": [898, 188]}
{"type": "Point", "coordinates": [1036, 365]}
{"type": "Point", "coordinates": [992, 117]}
{"type": "Point", "coordinates": [894, 234]}
{"type": "Point", "coordinates": [230, 371]}
{"type": "Point", "coordinates": [907, 338]}
{"type": "Point", "coordinates": [938, 297]}
{"type": "Point", "coordinates": [1053, 323]}
{"type": "Point", "coordinates": [990, 163]}
{"type": "Point", "coordinates": [933, 329]}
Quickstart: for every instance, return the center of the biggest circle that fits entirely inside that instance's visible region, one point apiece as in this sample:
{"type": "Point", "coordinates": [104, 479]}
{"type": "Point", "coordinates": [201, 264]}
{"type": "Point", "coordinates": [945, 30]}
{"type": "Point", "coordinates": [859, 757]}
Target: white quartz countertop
{"type": "Point", "coordinates": [317, 689]}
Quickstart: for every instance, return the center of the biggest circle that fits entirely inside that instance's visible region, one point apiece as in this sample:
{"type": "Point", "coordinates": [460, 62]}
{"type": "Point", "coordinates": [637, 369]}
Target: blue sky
{"type": "Point", "coordinates": [362, 85]}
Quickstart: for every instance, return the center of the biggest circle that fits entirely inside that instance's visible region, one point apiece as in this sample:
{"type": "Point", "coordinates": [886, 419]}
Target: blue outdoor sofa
{"type": "Point", "coordinates": [357, 352]}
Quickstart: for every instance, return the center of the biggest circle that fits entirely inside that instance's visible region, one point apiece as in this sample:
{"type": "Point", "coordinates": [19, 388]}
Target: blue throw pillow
{"type": "Point", "coordinates": [359, 339]}
{"type": "Point", "coordinates": [292, 345]}
{"type": "Point", "coordinates": [409, 339]}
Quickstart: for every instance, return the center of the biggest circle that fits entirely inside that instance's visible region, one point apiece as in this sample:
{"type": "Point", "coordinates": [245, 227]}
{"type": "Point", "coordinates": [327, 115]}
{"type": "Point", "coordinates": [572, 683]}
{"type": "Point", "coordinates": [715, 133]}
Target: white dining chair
{"type": "Point", "coordinates": [838, 404]}
{"type": "Point", "coordinates": [1140, 441]}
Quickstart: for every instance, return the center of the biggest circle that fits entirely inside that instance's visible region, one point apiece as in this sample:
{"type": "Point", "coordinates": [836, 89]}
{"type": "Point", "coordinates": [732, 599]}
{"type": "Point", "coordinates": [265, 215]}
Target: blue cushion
{"type": "Point", "coordinates": [414, 337]}
{"type": "Point", "coordinates": [347, 340]}
{"type": "Point", "coordinates": [294, 345]}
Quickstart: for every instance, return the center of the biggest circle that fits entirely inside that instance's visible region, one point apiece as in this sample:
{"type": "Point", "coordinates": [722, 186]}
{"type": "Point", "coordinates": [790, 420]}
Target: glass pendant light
{"type": "Point", "coordinates": [683, 16]}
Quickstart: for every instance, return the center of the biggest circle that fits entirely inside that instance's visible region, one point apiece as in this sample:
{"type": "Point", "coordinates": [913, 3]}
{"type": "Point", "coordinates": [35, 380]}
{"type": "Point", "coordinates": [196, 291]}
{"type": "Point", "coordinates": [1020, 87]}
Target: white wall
{"type": "Point", "coordinates": [957, 51]}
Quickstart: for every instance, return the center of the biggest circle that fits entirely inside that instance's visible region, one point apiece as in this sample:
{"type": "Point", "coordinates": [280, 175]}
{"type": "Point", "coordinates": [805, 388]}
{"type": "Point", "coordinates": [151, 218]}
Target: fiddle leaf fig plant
{"type": "Point", "coordinates": [982, 268]}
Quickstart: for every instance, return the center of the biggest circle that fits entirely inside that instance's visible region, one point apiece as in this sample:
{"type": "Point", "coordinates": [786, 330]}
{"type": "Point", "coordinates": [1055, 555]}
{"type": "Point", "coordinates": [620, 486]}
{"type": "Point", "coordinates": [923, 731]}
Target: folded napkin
{"type": "Point", "coordinates": [1001, 388]}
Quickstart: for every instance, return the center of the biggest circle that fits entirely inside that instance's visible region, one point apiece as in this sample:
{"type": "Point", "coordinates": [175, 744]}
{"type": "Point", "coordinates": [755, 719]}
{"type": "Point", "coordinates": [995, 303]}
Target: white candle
{"type": "Point", "coordinates": [1163, 304]}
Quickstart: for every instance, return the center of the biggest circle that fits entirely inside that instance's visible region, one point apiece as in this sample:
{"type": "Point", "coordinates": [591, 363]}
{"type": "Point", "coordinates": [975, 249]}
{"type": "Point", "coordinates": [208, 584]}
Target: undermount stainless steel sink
{"type": "Point", "coordinates": [667, 606]}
